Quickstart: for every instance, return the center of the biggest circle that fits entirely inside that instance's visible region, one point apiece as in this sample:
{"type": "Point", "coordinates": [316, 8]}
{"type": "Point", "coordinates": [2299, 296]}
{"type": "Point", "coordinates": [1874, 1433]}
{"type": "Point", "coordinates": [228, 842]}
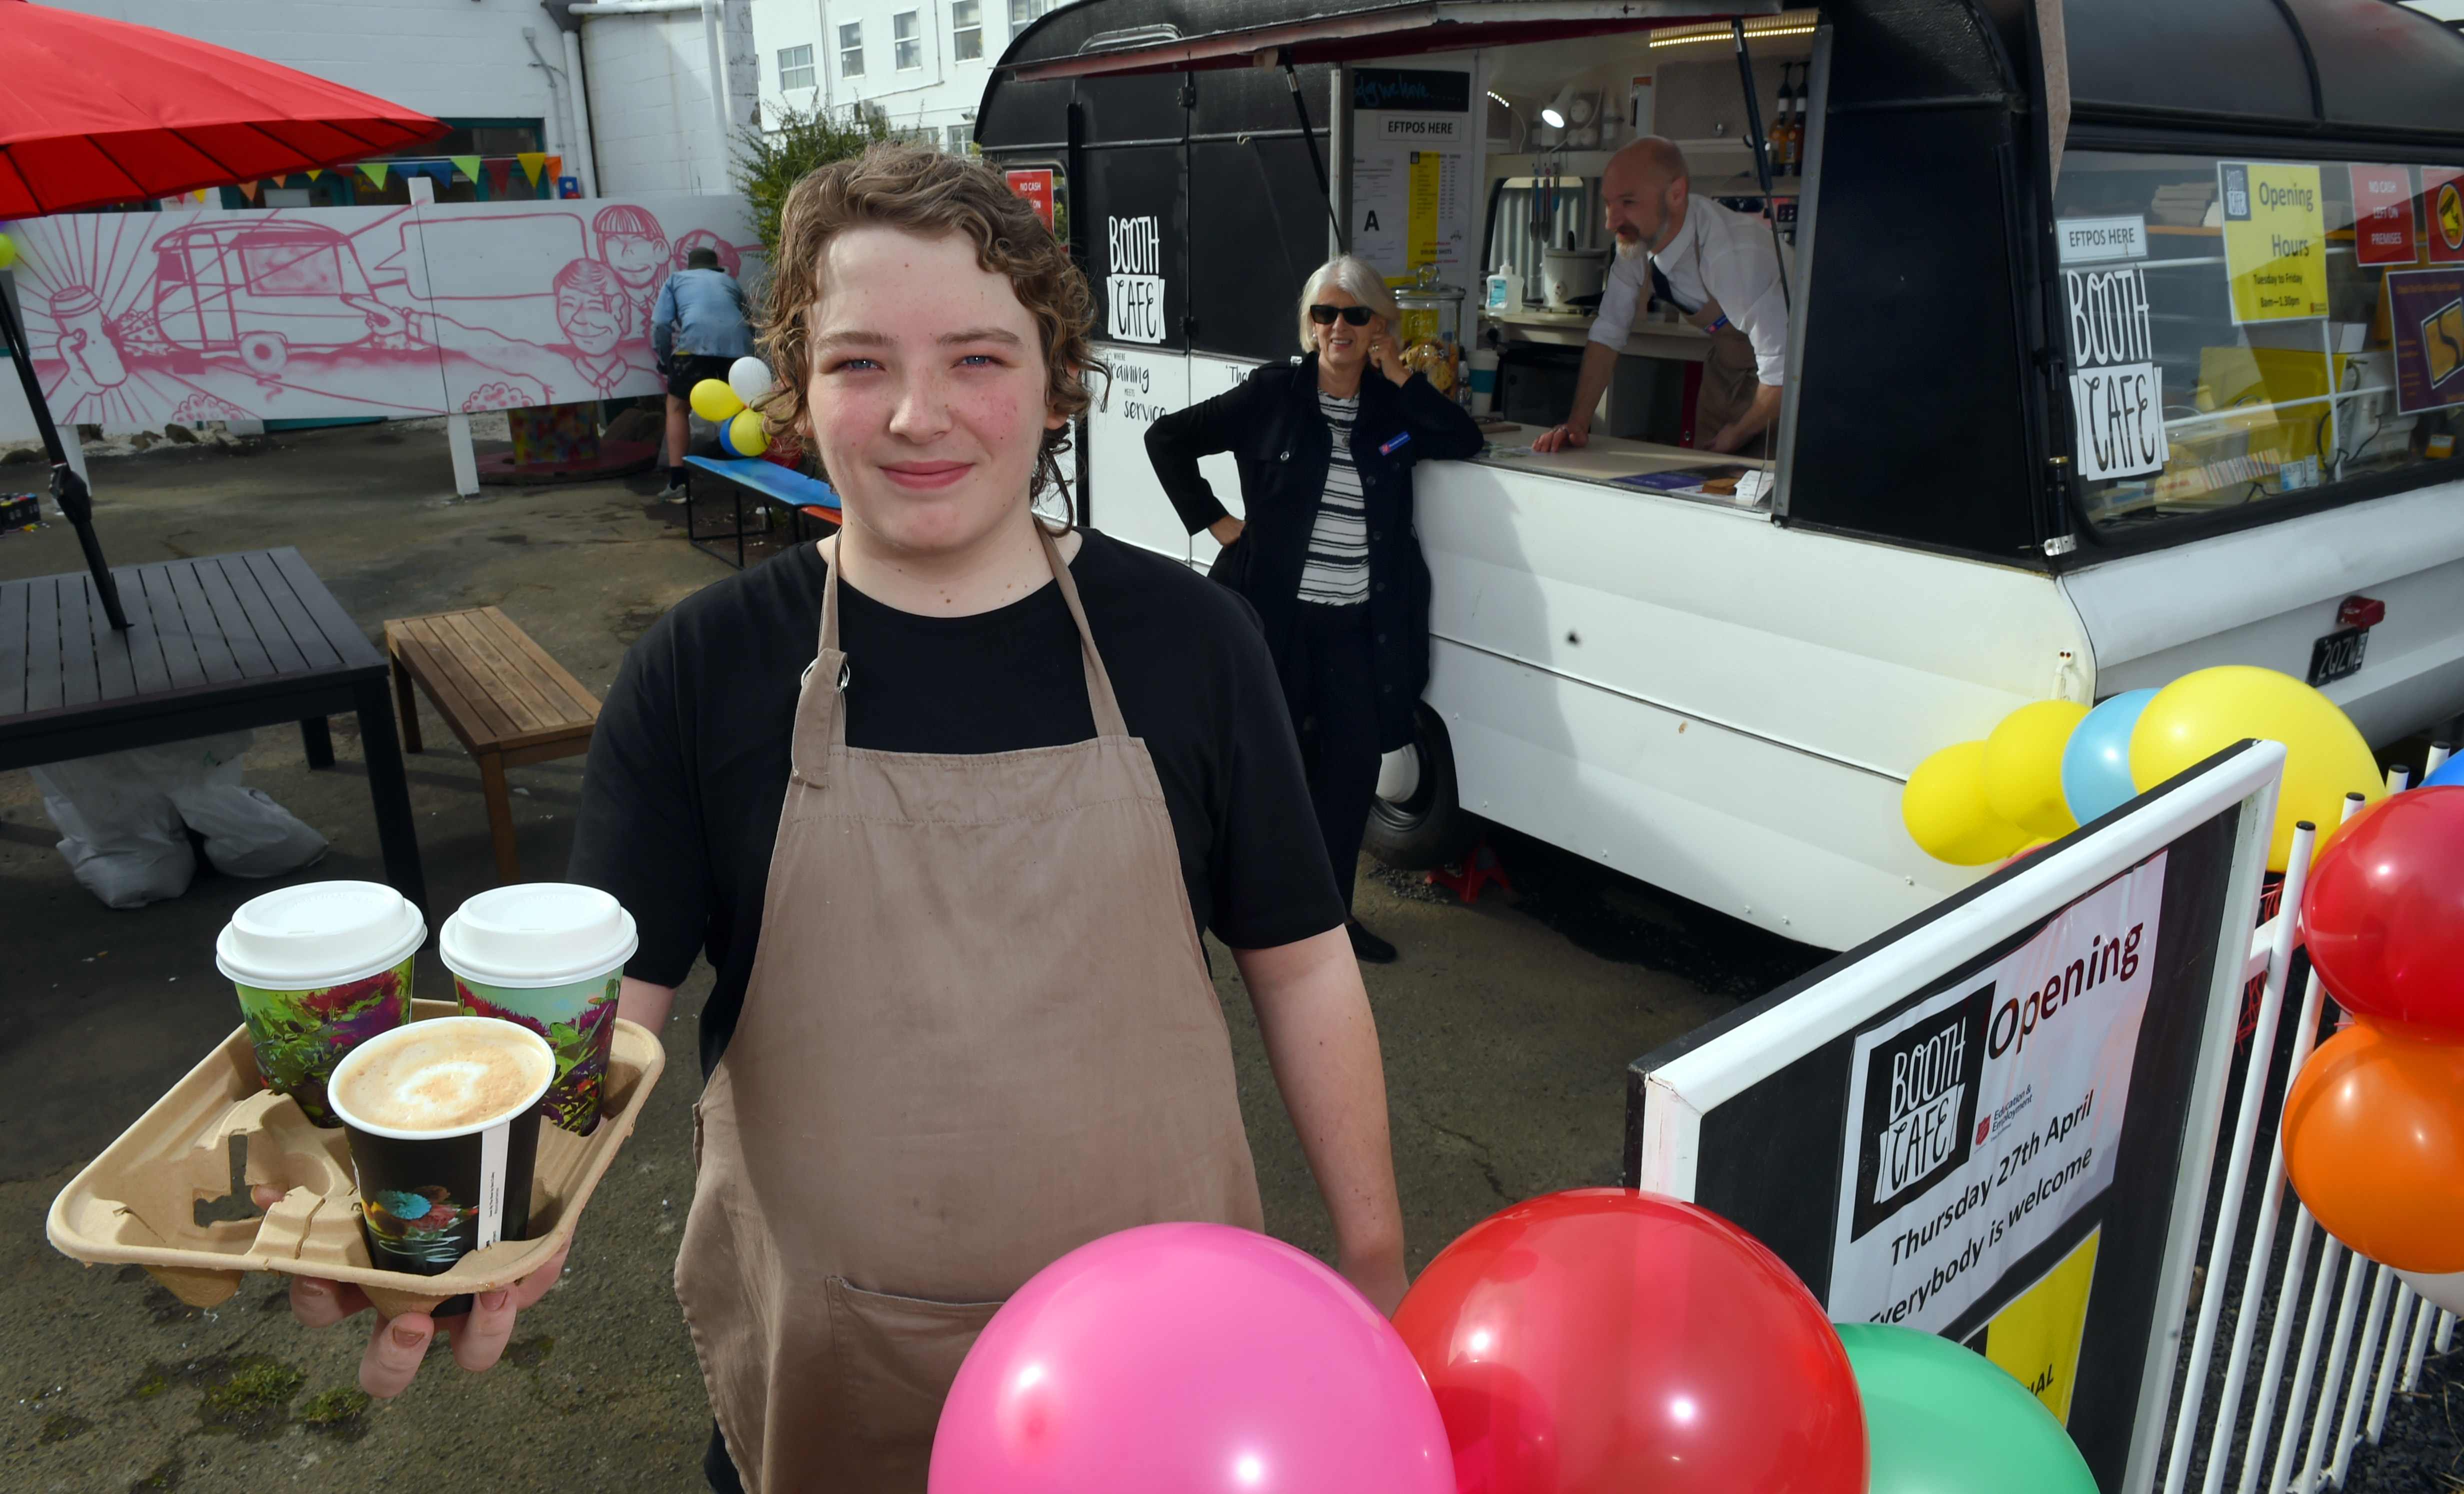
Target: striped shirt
{"type": "Point", "coordinates": [1336, 570]}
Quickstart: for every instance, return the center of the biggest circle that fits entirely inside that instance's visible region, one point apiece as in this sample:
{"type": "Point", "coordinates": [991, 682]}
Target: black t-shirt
{"type": "Point", "coordinates": [688, 768]}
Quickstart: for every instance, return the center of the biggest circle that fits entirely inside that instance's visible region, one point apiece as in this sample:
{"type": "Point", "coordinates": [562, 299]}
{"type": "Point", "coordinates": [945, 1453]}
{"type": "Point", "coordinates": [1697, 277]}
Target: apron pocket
{"type": "Point", "coordinates": [896, 1357]}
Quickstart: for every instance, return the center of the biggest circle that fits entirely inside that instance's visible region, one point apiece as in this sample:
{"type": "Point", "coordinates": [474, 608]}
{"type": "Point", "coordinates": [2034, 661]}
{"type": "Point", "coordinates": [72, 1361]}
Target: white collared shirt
{"type": "Point", "coordinates": [1716, 255]}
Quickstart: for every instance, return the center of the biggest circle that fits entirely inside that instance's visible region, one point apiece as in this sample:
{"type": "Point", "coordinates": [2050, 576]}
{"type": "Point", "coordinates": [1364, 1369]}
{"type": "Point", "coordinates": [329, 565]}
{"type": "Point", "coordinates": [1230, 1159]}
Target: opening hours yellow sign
{"type": "Point", "coordinates": [2276, 239]}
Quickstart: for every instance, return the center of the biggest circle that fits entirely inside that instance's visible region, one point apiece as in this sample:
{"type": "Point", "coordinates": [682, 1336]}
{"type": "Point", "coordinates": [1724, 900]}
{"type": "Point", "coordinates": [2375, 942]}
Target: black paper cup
{"type": "Point", "coordinates": [429, 1197]}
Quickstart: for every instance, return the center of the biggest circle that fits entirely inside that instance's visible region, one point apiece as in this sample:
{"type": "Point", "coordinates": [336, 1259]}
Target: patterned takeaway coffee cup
{"type": "Point", "coordinates": [443, 1118]}
{"type": "Point", "coordinates": [320, 968]}
{"type": "Point", "coordinates": [549, 956]}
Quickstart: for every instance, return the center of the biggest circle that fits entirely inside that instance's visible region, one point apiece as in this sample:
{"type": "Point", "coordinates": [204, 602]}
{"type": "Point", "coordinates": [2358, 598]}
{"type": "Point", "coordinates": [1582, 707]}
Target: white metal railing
{"type": "Point", "coordinates": [2374, 1331]}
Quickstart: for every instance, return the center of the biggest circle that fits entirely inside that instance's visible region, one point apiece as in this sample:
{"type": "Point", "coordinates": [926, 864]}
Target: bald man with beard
{"type": "Point", "coordinates": [1722, 270]}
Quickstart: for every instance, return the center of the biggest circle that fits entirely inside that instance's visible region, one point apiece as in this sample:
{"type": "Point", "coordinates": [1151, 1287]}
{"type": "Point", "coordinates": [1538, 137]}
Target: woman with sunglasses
{"type": "Point", "coordinates": [1327, 553]}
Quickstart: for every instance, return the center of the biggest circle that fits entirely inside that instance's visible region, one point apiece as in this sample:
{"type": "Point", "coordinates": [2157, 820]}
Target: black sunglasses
{"type": "Point", "coordinates": [1354, 316]}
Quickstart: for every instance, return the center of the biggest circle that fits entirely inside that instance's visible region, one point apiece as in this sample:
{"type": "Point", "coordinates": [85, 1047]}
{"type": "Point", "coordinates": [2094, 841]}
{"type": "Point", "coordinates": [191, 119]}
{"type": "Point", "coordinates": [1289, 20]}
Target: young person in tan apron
{"type": "Point", "coordinates": [950, 865]}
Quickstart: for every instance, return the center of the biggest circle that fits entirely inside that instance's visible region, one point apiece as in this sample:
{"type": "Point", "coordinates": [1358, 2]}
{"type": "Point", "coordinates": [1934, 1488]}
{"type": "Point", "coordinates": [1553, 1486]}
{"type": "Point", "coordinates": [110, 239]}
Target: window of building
{"type": "Point", "coordinates": [795, 68]}
{"type": "Point", "coordinates": [966, 30]}
{"type": "Point", "coordinates": [1023, 12]}
{"type": "Point", "coordinates": [957, 137]}
{"type": "Point", "coordinates": [851, 50]}
{"type": "Point", "coordinates": [2239, 330]}
{"type": "Point", "coordinates": [905, 41]}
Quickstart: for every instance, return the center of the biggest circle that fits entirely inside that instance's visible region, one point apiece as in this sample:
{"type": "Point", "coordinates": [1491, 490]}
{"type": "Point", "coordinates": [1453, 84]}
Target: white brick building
{"type": "Point", "coordinates": [921, 63]}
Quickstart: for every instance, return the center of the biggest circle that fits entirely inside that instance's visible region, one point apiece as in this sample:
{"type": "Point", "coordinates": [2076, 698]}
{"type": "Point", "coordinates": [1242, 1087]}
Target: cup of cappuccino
{"type": "Point", "coordinates": [443, 1118]}
{"type": "Point", "coordinates": [549, 956]}
{"type": "Point", "coordinates": [320, 968]}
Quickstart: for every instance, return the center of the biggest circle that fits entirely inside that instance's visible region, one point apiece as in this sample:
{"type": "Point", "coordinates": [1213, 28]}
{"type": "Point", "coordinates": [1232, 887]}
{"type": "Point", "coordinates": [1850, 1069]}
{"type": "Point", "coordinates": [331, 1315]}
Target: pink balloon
{"type": "Point", "coordinates": [1191, 1358]}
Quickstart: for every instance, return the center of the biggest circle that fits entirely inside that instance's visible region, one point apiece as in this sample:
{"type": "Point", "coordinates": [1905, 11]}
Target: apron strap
{"type": "Point", "coordinates": [821, 703]}
{"type": "Point", "coordinates": [1100, 699]}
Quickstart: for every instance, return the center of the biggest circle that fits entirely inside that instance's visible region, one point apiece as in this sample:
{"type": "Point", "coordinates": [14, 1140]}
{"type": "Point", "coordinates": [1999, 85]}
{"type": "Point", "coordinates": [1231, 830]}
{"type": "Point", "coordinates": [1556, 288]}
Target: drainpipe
{"type": "Point", "coordinates": [589, 165]}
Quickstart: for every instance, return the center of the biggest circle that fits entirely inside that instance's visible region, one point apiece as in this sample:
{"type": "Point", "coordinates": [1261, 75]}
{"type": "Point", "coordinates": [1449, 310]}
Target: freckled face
{"type": "Point", "coordinates": [927, 394]}
{"type": "Point", "coordinates": [592, 322]}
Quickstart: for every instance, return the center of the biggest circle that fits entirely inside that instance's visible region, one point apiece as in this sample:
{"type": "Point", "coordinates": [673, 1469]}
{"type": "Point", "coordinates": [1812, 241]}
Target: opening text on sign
{"type": "Point", "coordinates": [1133, 287]}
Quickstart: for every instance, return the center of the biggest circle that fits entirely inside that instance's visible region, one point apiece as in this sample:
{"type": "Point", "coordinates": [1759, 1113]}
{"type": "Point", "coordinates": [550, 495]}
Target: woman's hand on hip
{"type": "Point", "coordinates": [1226, 529]}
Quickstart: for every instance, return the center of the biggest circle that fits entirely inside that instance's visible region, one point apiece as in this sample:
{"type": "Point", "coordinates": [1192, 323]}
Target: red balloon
{"type": "Point", "coordinates": [1603, 1341]}
{"type": "Point", "coordinates": [2383, 912]}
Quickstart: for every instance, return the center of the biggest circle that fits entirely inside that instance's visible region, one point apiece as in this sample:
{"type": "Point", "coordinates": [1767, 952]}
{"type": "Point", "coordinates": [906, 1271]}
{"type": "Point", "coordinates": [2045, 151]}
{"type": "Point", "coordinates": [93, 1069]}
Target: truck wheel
{"type": "Point", "coordinates": [1422, 826]}
{"type": "Point", "coordinates": [264, 353]}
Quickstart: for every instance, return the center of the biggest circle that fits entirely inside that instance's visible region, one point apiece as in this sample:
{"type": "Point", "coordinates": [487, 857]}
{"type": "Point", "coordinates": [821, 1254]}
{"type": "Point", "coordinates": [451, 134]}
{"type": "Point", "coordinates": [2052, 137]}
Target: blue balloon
{"type": "Point", "coordinates": [725, 443]}
{"type": "Point", "coordinates": [2449, 774]}
{"type": "Point", "coordinates": [2095, 764]}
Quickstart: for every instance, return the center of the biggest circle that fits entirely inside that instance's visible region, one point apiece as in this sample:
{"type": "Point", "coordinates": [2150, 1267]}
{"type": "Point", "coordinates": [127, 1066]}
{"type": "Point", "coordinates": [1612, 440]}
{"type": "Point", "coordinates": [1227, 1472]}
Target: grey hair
{"type": "Point", "coordinates": [1357, 276]}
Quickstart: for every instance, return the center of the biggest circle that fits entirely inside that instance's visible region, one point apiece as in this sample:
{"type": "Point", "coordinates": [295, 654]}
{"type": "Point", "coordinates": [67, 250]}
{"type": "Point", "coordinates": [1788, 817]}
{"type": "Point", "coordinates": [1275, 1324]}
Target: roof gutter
{"type": "Point", "coordinates": [1107, 53]}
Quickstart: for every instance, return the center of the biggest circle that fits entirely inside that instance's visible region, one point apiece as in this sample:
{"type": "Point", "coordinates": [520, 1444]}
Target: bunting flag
{"type": "Point", "coordinates": [468, 165]}
{"type": "Point", "coordinates": [375, 172]}
{"type": "Point", "coordinates": [532, 161]}
{"type": "Point", "coordinates": [500, 176]}
{"type": "Point", "coordinates": [247, 190]}
{"type": "Point", "coordinates": [314, 175]}
{"type": "Point", "coordinates": [555, 167]}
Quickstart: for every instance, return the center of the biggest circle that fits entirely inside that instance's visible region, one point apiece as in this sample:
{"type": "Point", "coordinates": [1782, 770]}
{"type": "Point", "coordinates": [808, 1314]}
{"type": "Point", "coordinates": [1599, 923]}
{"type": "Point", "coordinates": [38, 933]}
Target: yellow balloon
{"type": "Point", "coordinates": [2023, 766]}
{"type": "Point", "coordinates": [1948, 814]}
{"type": "Point", "coordinates": [2204, 713]}
{"type": "Point", "coordinates": [714, 401]}
{"type": "Point", "coordinates": [747, 434]}
{"type": "Point", "coordinates": [8, 252]}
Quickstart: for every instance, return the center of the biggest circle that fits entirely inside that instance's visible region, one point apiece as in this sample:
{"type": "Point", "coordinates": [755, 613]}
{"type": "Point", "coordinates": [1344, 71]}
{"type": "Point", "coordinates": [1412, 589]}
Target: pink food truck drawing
{"type": "Point", "coordinates": [261, 292]}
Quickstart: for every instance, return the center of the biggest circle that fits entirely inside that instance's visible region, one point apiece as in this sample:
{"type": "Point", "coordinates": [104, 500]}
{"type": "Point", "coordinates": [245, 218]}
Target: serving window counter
{"type": "Point", "coordinates": [1715, 669]}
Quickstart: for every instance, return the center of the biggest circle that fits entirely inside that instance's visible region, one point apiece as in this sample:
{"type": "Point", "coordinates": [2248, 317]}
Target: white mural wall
{"type": "Point", "coordinates": [135, 320]}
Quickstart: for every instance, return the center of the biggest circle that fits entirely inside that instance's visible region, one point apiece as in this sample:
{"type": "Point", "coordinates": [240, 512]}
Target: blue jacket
{"type": "Point", "coordinates": [700, 315]}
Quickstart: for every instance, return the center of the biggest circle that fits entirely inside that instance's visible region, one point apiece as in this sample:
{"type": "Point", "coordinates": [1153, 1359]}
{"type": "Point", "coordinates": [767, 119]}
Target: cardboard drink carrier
{"type": "Point", "coordinates": [136, 1204]}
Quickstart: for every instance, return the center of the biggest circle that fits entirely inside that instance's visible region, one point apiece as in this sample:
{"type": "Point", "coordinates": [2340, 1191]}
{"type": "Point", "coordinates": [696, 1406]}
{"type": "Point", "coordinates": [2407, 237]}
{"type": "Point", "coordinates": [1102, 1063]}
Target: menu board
{"type": "Point", "coordinates": [2276, 239]}
{"type": "Point", "coordinates": [1414, 144]}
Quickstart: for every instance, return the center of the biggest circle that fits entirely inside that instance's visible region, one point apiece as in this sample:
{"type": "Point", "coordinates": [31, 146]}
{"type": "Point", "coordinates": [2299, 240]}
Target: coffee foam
{"type": "Point", "coordinates": [450, 1080]}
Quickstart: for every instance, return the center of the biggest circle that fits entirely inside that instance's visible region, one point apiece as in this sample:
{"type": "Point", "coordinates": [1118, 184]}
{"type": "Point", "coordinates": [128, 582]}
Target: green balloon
{"type": "Point", "coordinates": [1942, 1421]}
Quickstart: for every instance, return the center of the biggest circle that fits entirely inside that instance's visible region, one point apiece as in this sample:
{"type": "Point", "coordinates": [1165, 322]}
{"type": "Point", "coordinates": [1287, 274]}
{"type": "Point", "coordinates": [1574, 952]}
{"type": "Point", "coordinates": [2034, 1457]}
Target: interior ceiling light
{"type": "Point", "coordinates": [1500, 98]}
{"type": "Point", "coordinates": [1552, 118]}
{"type": "Point", "coordinates": [1788, 23]}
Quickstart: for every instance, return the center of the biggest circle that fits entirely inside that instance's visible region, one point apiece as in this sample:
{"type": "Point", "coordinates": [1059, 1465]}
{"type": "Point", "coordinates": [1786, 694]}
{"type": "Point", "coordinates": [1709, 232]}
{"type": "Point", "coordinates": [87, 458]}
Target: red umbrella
{"type": "Point", "coordinates": [93, 112]}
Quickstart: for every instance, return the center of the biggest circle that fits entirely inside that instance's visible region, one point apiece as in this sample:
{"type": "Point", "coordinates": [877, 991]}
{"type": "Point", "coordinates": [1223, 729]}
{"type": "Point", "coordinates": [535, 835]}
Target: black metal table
{"type": "Point", "coordinates": [215, 644]}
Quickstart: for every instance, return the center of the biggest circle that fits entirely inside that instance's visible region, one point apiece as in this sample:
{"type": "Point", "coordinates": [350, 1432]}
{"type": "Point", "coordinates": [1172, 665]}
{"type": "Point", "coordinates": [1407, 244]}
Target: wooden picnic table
{"type": "Point", "coordinates": [215, 644]}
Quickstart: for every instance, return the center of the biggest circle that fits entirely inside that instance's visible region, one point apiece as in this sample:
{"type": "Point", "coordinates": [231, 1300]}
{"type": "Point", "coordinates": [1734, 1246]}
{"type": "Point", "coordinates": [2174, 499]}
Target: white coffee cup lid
{"type": "Point", "coordinates": [537, 933]}
{"type": "Point", "coordinates": [319, 934]}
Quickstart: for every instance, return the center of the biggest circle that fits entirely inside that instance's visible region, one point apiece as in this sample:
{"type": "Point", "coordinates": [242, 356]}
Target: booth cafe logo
{"type": "Point", "coordinates": [1133, 282]}
{"type": "Point", "coordinates": [1920, 1100]}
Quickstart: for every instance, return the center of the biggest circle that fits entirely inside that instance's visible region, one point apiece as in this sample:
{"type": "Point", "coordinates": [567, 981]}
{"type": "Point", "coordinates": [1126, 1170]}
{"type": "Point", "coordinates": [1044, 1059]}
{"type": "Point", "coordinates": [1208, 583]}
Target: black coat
{"type": "Point", "coordinates": [1274, 430]}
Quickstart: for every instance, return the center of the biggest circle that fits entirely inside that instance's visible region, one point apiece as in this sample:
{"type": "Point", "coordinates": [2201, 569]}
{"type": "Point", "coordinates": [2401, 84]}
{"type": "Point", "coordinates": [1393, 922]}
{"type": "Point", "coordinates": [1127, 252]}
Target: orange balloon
{"type": "Point", "coordinates": [2375, 1144]}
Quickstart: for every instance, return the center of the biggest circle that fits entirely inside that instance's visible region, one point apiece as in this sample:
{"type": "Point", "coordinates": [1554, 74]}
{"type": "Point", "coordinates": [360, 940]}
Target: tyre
{"type": "Point", "coordinates": [264, 353]}
{"type": "Point", "coordinates": [1423, 825]}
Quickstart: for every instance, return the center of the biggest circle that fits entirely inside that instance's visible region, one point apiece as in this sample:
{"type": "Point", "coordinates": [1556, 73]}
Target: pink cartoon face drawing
{"type": "Point", "coordinates": [590, 307]}
{"type": "Point", "coordinates": [631, 244]}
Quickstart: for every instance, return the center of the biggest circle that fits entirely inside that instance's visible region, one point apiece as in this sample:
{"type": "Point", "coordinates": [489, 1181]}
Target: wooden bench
{"type": "Point", "coordinates": [500, 692]}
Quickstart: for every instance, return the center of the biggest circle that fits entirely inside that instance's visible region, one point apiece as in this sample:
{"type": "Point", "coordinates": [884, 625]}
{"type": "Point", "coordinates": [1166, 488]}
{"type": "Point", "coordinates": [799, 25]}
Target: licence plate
{"type": "Point", "coordinates": [2338, 654]}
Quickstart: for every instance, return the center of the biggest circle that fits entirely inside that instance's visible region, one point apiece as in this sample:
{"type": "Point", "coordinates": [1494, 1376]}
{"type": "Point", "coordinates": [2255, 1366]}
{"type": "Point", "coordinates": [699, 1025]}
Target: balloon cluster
{"type": "Point", "coordinates": [1597, 1339]}
{"type": "Point", "coordinates": [728, 405]}
{"type": "Point", "coordinates": [2052, 766]}
{"type": "Point", "coordinates": [2375, 1123]}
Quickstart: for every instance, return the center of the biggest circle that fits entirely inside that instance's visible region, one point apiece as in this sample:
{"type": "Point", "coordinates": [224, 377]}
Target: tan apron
{"type": "Point", "coordinates": [979, 1033]}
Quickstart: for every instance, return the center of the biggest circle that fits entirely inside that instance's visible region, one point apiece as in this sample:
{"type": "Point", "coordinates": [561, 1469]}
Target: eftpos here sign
{"type": "Point", "coordinates": [1982, 1120]}
{"type": "Point", "coordinates": [2117, 394]}
{"type": "Point", "coordinates": [1133, 284]}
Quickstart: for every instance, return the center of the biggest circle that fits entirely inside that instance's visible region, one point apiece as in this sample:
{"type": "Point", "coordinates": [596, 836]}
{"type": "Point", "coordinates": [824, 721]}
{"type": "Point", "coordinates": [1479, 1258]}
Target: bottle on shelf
{"type": "Point", "coordinates": [1786, 146]}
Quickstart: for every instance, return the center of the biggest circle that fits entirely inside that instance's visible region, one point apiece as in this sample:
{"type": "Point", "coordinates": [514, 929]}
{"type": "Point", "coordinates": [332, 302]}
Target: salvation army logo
{"type": "Point", "coordinates": [1920, 1122]}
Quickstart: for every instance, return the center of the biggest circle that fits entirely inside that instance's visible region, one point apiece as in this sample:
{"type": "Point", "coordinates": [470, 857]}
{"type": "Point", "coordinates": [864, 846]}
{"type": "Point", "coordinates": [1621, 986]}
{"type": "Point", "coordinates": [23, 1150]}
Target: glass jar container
{"type": "Point", "coordinates": [1432, 336]}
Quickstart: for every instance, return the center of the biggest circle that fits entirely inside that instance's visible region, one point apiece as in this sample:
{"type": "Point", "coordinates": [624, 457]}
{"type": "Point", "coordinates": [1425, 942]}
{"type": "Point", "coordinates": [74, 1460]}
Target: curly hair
{"type": "Point", "coordinates": [927, 193]}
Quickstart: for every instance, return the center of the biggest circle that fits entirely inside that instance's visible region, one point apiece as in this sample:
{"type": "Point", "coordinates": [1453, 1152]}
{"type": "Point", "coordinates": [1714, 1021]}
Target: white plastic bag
{"type": "Point", "coordinates": [121, 817]}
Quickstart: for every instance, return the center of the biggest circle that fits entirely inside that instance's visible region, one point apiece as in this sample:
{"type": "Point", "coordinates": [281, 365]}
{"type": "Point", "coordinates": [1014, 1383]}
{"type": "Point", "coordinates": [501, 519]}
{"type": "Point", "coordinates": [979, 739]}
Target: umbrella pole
{"type": "Point", "coordinates": [67, 488]}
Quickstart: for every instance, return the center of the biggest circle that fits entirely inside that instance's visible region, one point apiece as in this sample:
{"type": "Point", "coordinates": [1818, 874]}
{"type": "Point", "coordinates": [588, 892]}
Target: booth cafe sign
{"type": "Point", "coordinates": [1133, 287]}
{"type": "Point", "coordinates": [2116, 391]}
